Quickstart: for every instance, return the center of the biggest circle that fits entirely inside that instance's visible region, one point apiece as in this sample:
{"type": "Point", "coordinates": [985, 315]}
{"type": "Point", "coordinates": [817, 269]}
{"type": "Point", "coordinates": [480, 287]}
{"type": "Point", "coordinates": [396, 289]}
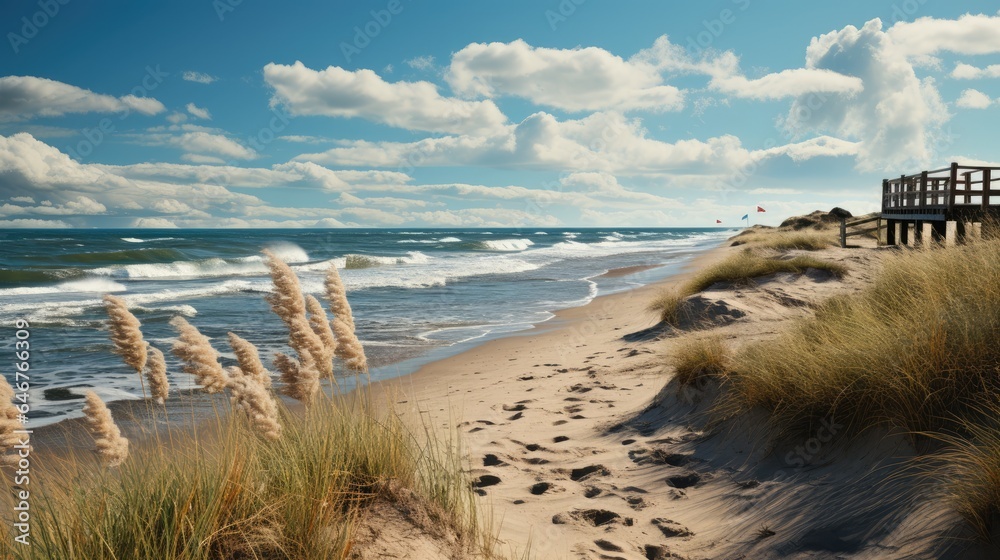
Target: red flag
{"type": "Point", "coordinates": [759, 209]}
{"type": "Point", "coordinates": [718, 221]}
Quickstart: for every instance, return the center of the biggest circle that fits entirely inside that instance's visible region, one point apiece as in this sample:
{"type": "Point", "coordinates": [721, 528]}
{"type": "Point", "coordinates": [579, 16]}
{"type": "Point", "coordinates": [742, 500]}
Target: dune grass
{"type": "Point", "coordinates": [698, 359]}
{"type": "Point", "coordinates": [912, 350]}
{"type": "Point", "coordinates": [741, 269]}
{"type": "Point", "coordinates": [788, 240]}
{"type": "Point", "coordinates": [229, 493]}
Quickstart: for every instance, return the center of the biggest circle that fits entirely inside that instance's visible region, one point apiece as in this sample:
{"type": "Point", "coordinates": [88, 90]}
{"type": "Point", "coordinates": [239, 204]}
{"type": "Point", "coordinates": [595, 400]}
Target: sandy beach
{"type": "Point", "coordinates": [581, 447]}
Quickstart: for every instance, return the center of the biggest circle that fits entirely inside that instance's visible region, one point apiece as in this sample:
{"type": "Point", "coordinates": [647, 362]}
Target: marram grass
{"type": "Point", "coordinates": [229, 493]}
{"type": "Point", "coordinates": [740, 268]}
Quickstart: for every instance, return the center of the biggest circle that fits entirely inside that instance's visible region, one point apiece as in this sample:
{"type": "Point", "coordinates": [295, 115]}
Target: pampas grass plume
{"type": "Point", "coordinates": [248, 395]}
{"type": "Point", "coordinates": [111, 446]}
{"type": "Point", "coordinates": [249, 360]}
{"type": "Point", "coordinates": [156, 372]}
{"type": "Point", "coordinates": [125, 333]}
{"type": "Point", "coordinates": [8, 422]}
{"type": "Point", "coordinates": [200, 359]}
{"type": "Point", "coordinates": [301, 379]}
{"type": "Point", "coordinates": [320, 324]}
{"type": "Point", "coordinates": [349, 347]}
{"type": "Point", "coordinates": [337, 294]}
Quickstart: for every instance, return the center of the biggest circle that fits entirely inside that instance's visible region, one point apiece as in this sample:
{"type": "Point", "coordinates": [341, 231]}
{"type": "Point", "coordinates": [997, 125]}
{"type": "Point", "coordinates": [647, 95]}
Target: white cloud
{"type": "Point", "coordinates": [964, 71]}
{"type": "Point", "coordinates": [24, 199]}
{"type": "Point", "coordinates": [926, 36]}
{"type": "Point", "coordinates": [973, 99]}
{"type": "Point", "coordinates": [176, 118]}
{"type": "Point", "coordinates": [202, 159]}
{"type": "Point", "coordinates": [335, 92]}
{"type": "Point", "coordinates": [896, 118]}
{"type": "Point", "coordinates": [200, 145]}
{"type": "Point", "coordinates": [32, 223]}
{"type": "Point", "coordinates": [581, 79]}
{"type": "Point", "coordinates": [821, 146]}
{"type": "Point", "coordinates": [26, 97]}
{"type": "Point", "coordinates": [153, 223]}
{"type": "Point", "coordinates": [199, 112]}
{"type": "Point", "coordinates": [198, 77]}
{"type": "Point", "coordinates": [421, 63]}
{"type": "Point", "coordinates": [725, 75]}
{"type": "Point", "coordinates": [787, 83]}
{"type": "Point", "coordinates": [605, 142]}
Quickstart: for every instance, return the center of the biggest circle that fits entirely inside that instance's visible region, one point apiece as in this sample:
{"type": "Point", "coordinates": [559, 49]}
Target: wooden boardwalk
{"type": "Point", "coordinates": [944, 205]}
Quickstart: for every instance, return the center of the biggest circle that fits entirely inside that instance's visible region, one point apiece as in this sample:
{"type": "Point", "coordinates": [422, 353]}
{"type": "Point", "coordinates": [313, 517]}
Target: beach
{"type": "Point", "coordinates": [581, 447]}
{"type": "Point", "coordinates": [579, 442]}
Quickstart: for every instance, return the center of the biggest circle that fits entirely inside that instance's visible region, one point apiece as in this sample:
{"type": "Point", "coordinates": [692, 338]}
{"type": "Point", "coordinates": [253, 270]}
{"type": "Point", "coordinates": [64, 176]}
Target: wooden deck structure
{"type": "Point", "coordinates": [944, 205]}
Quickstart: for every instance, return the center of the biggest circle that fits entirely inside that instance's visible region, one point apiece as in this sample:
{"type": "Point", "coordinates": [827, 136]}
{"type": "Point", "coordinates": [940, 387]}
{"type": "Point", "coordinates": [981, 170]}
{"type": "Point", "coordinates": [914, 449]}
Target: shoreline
{"type": "Point", "coordinates": [191, 408]}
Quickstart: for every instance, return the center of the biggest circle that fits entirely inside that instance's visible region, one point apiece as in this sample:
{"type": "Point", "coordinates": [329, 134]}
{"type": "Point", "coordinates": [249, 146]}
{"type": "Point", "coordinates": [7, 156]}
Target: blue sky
{"type": "Point", "coordinates": [397, 113]}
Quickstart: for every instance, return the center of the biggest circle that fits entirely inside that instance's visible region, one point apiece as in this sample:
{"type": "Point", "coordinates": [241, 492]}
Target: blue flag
{"type": "Point", "coordinates": [745, 217]}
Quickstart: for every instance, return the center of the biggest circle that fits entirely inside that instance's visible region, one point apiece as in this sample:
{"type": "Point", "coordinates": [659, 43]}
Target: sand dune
{"type": "Point", "coordinates": [581, 447]}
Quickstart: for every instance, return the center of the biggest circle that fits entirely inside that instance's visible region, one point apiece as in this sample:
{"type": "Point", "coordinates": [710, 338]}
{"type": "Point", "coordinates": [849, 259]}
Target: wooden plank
{"type": "Point", "coordinates": [863, 231]}
{"type": "Point", "coordinates": [864, 221]}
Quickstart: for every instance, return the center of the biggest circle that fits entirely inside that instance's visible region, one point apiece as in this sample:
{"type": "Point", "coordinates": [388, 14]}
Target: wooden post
{"type": "Point", "coordinates": [968, 187]}
{"type": "Point", "coordinates": [952, 188]}
{"type": "Point", "coordinates": [885, 194]}
{"type": "Point", "coordinates": [918, 232]}
{"type": "Point", "coordinates": [843, 233]}
{"type": "Point", "coordinates": [960, 231]}
{"type": "Point", "coordinates": [903, 192]}
{"type": "Point", "coordinates": [986, 188]}
{"type": "Point", "coordinates": [890, 232]}
{"type": "Point", "coordinates": [923, 190]}
{"type": "Point", "coordinates": [939, 232]}
{"type": "Point", "coordinates": [904, 233]}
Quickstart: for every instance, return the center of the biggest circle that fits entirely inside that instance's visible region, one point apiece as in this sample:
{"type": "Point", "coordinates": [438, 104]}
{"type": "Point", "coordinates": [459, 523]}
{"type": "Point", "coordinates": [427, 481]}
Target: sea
{"type": "Point", "coordinates": [418, 294]}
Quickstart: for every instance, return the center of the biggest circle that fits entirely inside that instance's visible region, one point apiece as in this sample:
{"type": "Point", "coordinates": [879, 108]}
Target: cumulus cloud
{"type": "Point", "coordinates": [200, 144]}
{"type": "Point", "coordinates": [895, 119]}
{"type": "Point", "coordinates": [725, 76]}
{"type": "Point", "coordinates": [153, 223]}
{"type": "Point", "coordinates": [927, 36]}
{"type": "Point", "coordinates": [26, 97]}
{"type": "Point", "coordinates": [199, 112]}
{"type": "Point", "coordinates": [198, 77]}
{"type": "Point", "coordinates": [33, 223]}
{"type": "Point", "coordinates": [964, 71]}
{"type": "Point", "coordinates": [605, 142]}
{"type": "Point", "coordinates": [580, 79]}
{"type": "Point", "coordinates": [336, 92]}
{"type": "Point", "coordinates": [973, 99]}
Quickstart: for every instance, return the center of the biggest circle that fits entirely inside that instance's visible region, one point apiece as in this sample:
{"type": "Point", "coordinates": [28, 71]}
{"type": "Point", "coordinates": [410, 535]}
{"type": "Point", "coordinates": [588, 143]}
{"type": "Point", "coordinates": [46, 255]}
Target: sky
{"type": "Point", "coordinates": [542, 113]}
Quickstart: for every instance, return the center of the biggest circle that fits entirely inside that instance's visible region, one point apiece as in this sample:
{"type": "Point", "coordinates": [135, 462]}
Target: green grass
{"type": "Point", "coordinates": [741, 269]}
{"type": "Point", "coordinates": [233, 494]}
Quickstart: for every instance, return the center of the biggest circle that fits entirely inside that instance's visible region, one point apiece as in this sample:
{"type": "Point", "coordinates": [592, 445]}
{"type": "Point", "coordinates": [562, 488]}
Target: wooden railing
{"type": "Point", "coordinates": [845, 226]}
{"type": "Point", "coordinates": [942, 191]}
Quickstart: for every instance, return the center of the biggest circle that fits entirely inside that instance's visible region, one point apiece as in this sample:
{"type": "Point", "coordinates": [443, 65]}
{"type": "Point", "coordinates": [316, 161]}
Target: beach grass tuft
{"type": "Point", "coordinates": [741, 268]}
{"type": "Point", "coordinates": [699, 359]}
{"type": "Point", "coordinates": [788, 240]}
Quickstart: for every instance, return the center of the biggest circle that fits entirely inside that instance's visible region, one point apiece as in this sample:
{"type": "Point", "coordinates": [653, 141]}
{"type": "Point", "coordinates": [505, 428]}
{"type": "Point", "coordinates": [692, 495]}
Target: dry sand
{"type": "Point", "coordinates": [582, 448]}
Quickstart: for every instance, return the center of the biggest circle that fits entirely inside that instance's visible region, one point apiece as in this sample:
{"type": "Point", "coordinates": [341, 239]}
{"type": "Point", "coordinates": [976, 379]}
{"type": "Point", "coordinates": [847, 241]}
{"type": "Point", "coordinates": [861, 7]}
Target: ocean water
{"type": "Point", "coordinates": [417, 295]}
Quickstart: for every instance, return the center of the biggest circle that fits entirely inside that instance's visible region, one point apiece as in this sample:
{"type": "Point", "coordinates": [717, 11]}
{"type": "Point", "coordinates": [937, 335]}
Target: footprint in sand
{"type": "Point", "coordinates": [560, 439]}
{"type": "Point", "coordinates": [592, 517]}
{"type": "Point", "coordinates": [486, 481]}
{"type": "Point", "coordinates": [541, 488]}
{"type": "Point", "coordinates": [491, 460]}
{"type": "Point", "coordinates": [590, 471]}
{"type": "Point", "coordinates": [686, 480]}
{"type": "Point", "coordinates": [514, 407]}
{"type": "Point", "coordinates": [671, 529]}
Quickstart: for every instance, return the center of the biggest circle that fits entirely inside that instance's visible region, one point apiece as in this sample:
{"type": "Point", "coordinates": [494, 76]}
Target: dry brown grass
{"type": "Point", "coordinates": [698, 359]}
{"type": "Point", "coordinates": [740, 268]}
{"type": "Point", "coordinates": [788, 240]}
